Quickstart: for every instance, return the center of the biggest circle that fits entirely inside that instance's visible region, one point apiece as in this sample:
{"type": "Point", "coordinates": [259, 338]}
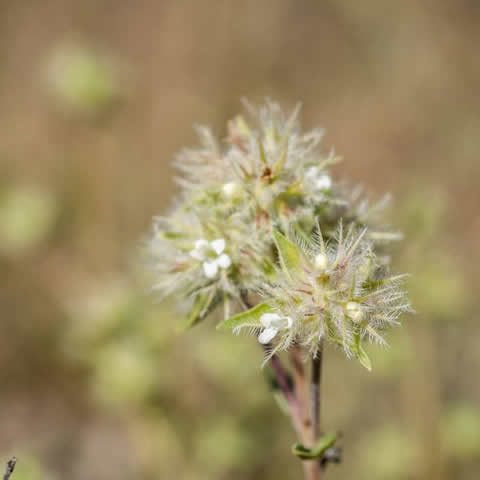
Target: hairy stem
{"type": "Point", "coordinates": [316, 471]}
{"type": "Point", "coordinates": [306, 424]}
{"type": "Point", "coordinates": [301, 387]}
{"type": "Point", "coordinates": [283, 380]}
{"type": "Point", "coordinates": [315, 393]}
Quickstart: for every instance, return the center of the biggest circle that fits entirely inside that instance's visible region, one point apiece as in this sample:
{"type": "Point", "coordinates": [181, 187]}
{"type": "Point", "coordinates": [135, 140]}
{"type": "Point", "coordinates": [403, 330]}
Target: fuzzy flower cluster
{"type": "Point", "coordinates": [334, 291]}
{"type": "Point", "coordinates": [217, 244]}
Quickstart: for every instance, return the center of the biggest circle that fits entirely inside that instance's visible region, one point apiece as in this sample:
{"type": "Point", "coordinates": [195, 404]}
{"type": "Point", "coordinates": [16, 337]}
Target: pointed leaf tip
{"type": "Point", "coordinates": [364, 358]}
{"type": "Point", "coordinates": [249, 318]}
{"type": "Point", "coordinates": [204, 303]}
{"type": "Point", "coordinates": [317, 450]}
{"type": "Point", "coordinates": [290, 258]}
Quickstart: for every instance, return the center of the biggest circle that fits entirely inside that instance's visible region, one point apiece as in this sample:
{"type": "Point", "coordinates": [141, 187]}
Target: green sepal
{"type": "Point", "coordinates": [278, 165]}
{"type": "Point", "coordinates": [361, 354]}
{"type": "Point", "coordinates": [249, 318]}
{"type": "Point", "coordinates": [204, 303]}
{"type": "Point", "coordinates": [319, 448]}
{"type": "Point", "coordinates": [261, 151]}
{"type": "Point", "coordinates": [289, 254]}
{"type": "Point", "coordinates": [364, 359]}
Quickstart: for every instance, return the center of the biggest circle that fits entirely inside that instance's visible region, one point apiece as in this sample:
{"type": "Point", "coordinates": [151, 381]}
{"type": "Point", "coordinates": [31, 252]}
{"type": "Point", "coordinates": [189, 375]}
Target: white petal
{"type": "Point", "coordinates": [199, 251]}
{"type": "Point", "coordinates": [197, 254]}
{"type": "Point", "coordinates": [267, 335]}
{"type": "Point", "coordinates": [281, 322]}
{"type": "Point", "coordinates": [312, 172]}
{"type": "Point", "coordinates": [218, 245]}
{"type": "Point", "coordinates": [210, 269]}
{"type": "Point", "coordinates": [268, 318]}
{"type": "Point", "coordinates": [223, 261]}
{"type": "Point", "coordinates": [201, 244]}
{"type": "Point", "coordinates": [324, 182]}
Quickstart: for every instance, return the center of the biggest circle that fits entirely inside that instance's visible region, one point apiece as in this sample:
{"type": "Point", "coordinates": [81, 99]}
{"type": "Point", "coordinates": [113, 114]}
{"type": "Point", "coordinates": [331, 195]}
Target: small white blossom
{"type": "Point", "coordinates": [212, 256]}
{"type": "Point", "coordinates": [273, 323]}
{"type": "Point", "coordinates": [199, 252]}
{"type": "Point", "coordinates": [270, 177]}
{"type": "Point", "coordinates": [318, 180]}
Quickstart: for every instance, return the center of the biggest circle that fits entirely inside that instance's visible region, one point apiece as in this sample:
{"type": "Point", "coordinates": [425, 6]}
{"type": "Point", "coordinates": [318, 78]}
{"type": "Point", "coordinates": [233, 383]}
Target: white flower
{"type": "Point", "coordinates": [212, 256]}
{"type": "Point", "coordinates": [317, 180]}
{"type": "Point", "coordinates": [273, 323]}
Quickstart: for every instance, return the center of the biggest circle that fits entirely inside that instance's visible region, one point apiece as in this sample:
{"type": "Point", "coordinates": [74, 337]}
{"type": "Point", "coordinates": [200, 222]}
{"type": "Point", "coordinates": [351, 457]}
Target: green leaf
{"type": "Point", "coordinates": [204, 303]}
{"type": "Point", "coordinates": [362, 354]}
{"type": "Point", "coordinates": [261, 151]}
{"type": "Point", "coordinates": [288, 252]}
{"type": "Point", "coordinates": [249, 318]}
{"type": "Point", "coordinates": [364, 359]}
{"type": "Point", "coordinates": [319, 448]}
{"type": "Point", "coordinates": [278, 165]}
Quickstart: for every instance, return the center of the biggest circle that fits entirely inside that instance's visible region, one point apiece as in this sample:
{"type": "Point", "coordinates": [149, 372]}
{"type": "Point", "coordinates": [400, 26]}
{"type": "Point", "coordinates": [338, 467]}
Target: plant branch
{"type": "Point", "coordinates": [300, 385]}
{"type": "Point", "coordinates": [316, 393]}
{"type": "Point", "coordinates": [306, 424]}
{"type": "Point", "coordinates": [10, 468]}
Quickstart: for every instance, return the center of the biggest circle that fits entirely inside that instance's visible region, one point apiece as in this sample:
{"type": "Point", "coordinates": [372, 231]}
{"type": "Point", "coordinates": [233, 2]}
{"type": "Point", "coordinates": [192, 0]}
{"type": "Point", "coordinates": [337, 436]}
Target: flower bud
{"type": "Point", "coordinates": [231, 189]}
{"type": "Point", "coordinates": [321, 261]}
{"type": "Point", "coordinates": [354, 311]}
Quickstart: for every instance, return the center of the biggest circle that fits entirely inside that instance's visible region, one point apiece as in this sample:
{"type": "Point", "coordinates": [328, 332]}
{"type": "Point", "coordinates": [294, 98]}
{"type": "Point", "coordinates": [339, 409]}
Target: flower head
{"type": "Point", "coordinates": [221, 239]}
{"type": "Point", "coordinates": [332, 291]}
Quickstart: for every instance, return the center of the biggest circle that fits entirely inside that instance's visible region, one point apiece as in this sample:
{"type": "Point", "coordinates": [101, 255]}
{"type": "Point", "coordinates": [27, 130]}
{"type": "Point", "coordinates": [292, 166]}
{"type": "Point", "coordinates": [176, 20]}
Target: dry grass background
{"type": "Point", "coordinates": [93, 384]}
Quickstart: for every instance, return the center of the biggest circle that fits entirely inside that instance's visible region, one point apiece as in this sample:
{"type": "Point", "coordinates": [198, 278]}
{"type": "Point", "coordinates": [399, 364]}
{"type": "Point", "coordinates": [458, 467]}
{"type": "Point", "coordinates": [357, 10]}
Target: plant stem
{"type": "Point", "coordinates": [307, 426]}
{"type": "Point", "coordinates": [10, 468]}
{"type": "Point", "coordinates": [315, 393]}
{"type": "Point", "coordinates": [316, 471]}
{"type": "Point", "coordinates": [296, 411]}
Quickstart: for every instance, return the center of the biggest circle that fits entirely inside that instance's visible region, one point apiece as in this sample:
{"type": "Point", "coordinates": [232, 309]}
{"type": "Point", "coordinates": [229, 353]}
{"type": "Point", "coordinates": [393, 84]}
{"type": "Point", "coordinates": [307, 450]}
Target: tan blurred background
{"type": "Point", "coordinates": [95, 99]}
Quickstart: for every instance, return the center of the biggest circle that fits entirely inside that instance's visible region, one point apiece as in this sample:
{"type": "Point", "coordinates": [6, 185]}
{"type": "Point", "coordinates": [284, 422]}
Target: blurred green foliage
{"type": "Point", "coordinates": [83, 81]}
{"type": "Point", "coordinates": [26, 217]}
{"type": "Point", "coordinates": [95, 383]}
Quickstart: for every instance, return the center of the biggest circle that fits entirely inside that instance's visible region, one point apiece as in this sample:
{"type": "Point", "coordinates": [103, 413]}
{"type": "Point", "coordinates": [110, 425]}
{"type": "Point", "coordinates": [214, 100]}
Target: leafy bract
{"type": "Point", "coordinates": [361, 354]}
{"type": "Point", "coordinates": [249, 318]}
{"type": "Point", "coordinates": [319, 448]}
{"type": "Point", "coordinates": [202, 306]}
{"type": "Point", "coordinates": [288, 252]}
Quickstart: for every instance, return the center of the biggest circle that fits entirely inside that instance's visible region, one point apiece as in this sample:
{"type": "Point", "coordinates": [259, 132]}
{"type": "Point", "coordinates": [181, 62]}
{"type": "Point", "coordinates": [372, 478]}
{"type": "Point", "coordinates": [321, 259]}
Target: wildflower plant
{"type": "Point", "coordinates": [295, 258]}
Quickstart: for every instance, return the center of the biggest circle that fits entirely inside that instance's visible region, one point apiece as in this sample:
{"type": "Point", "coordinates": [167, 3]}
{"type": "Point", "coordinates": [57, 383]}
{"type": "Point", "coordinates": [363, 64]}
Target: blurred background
{"type": "Point", "coordinates": [95, 99]}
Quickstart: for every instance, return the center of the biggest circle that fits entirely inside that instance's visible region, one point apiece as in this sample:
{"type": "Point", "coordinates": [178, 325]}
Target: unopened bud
{"type": "Point", "coordinates": [232, 189]}
{"type": "Point", "coordinates": [321, 261]}
{"type": "Point", "coordinates": [354, 311]}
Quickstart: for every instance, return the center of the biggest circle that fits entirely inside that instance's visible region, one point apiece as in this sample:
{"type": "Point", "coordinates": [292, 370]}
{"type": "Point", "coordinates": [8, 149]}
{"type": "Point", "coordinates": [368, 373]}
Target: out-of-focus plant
{"type": "Point", "coordinates": [293, 257]}
{"type": "Point", "coordinates": [27, 215]}
{"type": "Point", "coordinates": [460, 431]}
{"type": "Point", "coordinates": [83, 81]}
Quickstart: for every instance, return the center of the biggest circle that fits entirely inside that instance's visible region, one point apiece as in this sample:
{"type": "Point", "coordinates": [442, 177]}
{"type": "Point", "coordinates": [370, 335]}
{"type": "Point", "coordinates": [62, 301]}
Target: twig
{"type": "Point", "coordinates": [307, 429]}
{"type": "Point", "coordinates": [300, 385]}
{"type": "Point", "coordinates": [10, 468]}
{"type": "Point", "coordinates": [315, 393]}
{"type": "Point", "coordinates": [316, 377]}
